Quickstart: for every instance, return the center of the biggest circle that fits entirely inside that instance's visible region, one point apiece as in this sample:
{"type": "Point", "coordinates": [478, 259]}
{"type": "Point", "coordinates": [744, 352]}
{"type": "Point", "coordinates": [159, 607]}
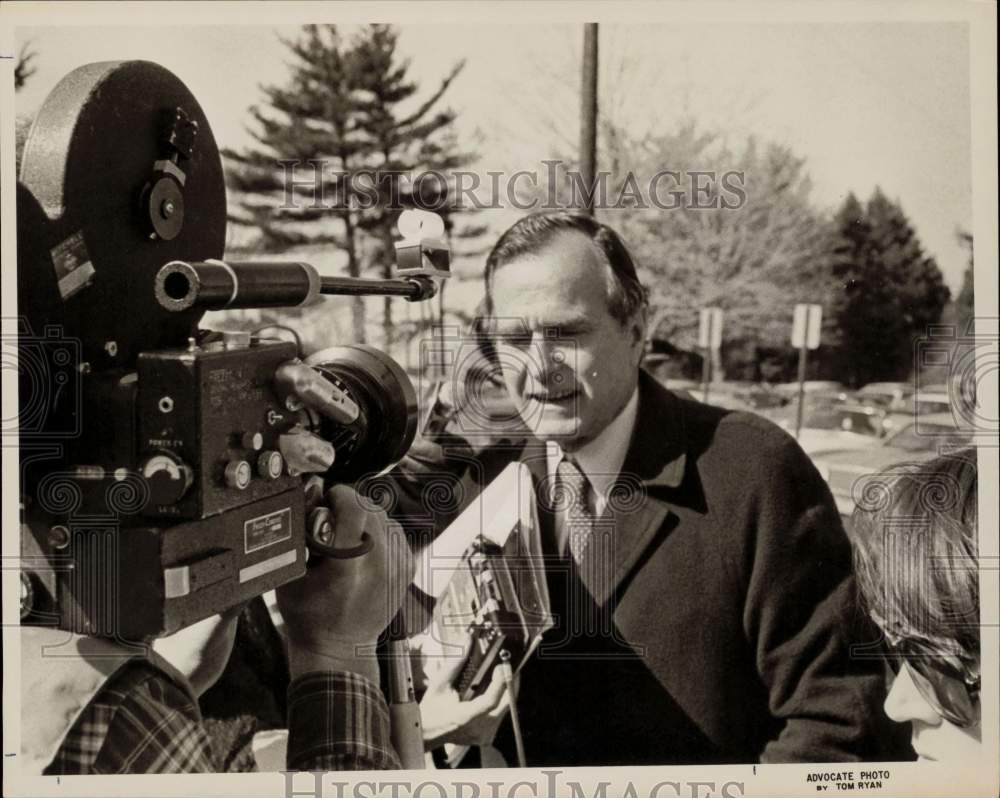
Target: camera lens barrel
{"type": "Point", "coordinates": [387, 423]}
{"type": "Point", "coordinates": [217, 284]}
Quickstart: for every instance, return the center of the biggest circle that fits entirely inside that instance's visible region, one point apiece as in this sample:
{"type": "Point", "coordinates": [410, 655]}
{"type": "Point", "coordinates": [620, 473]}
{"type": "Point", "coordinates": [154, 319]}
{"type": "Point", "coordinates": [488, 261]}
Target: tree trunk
{"type": "Point", "coordinates": [388, 327]}
{"type": "Point", "coordinates": [388, 261]}
{"type": "Point", "coordinates": [354, 270]}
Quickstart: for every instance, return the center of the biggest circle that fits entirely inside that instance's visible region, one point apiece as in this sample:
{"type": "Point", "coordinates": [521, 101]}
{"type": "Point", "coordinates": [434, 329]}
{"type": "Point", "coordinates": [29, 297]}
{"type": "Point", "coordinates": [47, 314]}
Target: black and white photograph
{"type": "Point", "coordinates": [500, 399]}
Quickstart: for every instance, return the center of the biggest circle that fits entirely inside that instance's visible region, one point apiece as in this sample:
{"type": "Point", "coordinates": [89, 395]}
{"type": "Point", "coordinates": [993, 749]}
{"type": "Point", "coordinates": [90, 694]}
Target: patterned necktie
{"type": "Point", "coordinates": [573, 499]}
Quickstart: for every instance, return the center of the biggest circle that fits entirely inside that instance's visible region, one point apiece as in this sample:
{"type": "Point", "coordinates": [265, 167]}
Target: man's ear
{"type": "Point", "coordinates": [637, 329]}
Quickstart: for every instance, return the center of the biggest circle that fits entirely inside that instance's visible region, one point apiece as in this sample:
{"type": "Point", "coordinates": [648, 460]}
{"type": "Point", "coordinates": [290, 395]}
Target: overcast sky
{"type": "Point", "coordinates": [866, 103]}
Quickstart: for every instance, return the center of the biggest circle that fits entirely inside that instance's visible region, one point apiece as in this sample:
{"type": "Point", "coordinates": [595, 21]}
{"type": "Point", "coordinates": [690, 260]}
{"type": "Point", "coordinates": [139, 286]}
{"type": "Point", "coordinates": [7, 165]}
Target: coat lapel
{"type": "Point", "coordinates": [635, 512]}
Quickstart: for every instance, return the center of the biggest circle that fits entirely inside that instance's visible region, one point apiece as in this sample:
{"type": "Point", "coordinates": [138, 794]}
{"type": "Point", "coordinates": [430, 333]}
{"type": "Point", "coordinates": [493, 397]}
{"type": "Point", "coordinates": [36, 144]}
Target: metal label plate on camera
{"type": "Point", "coordinates": [267, 530]}
{"type": "Point", "coordinates": [72, 265]}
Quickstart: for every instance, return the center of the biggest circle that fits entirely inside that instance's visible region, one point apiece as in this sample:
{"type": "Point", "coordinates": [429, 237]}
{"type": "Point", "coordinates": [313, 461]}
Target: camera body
{"type": "Point", "coordinates": [160, 462]}
{"type": "Point", "coordinates": [208, 426]}
{"type": "Point", "coordinates": [111, 575]}
{"type": "Point", "coordinates": [172, 501]}
{"type": "Point", "coordinates": [49, 389]}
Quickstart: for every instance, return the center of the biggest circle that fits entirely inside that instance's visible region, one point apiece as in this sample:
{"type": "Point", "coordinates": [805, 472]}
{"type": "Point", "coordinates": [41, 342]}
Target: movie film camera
{"type": "Point", "coordinates": [162, 464]}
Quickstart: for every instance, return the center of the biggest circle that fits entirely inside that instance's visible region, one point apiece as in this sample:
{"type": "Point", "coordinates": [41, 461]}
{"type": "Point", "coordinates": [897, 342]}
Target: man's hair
{"type": "Point", "coordinates": [916, 553]}
{"type": "Point", "coordinates": [626, 295]}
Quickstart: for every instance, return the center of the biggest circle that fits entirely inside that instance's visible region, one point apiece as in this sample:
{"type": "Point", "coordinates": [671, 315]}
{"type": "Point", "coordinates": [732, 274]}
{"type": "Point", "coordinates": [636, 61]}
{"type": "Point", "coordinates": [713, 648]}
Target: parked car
{"type": "Point", "coordinates": [895, 420]}
{"type": "Point", "coordinates": [785, 415]}
{"type": "Point", "coordinates": [726, 394]}
{"type": "Point", "coordinates": [833, 427]}
{"type": "Point", "coordinates": [826, 388]}
{"type": "Point", "coordinates": [889, 395]}
{"type": "Point", "coordinates": [761, 396]}
{"type": "Point", "coordinates": [846, 471]}
{"type": "Point", "coordinates": [925, 402]}
{"type": "Point", "coordinates": [679, 384]}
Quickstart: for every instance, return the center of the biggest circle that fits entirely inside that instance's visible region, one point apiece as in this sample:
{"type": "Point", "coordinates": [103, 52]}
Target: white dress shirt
{"type": "Point", "coordinates": [601, 460]}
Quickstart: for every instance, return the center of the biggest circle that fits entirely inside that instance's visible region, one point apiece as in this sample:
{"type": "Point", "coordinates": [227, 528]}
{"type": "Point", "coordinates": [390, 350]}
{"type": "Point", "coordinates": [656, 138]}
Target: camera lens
{"type": "Point", "coordinates": [387, 424]}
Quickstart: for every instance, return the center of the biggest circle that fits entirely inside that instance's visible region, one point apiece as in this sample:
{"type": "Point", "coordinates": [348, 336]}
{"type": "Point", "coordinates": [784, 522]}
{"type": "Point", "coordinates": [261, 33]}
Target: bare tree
{"type": "Point", "coordinates": [23, 68]}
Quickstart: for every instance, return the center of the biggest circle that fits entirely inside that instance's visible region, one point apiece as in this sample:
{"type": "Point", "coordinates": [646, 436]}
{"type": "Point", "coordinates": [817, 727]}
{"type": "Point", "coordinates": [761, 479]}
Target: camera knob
{"type": "Point", "coordinates": [270, 464]}
{"type": "Point", "coordinates": [237, 474]}
{"type": "Point", "coordinates": [321, 527]}
{"type": "Point", "coordinates": [168, 478]}
{"type": "Point", "coordinates": [252, 440]}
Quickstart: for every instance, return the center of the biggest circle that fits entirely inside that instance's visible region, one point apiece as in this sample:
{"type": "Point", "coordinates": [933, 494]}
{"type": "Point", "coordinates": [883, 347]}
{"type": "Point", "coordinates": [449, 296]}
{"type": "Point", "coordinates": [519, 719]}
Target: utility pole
{"type": "Point", "coordinates": [588, 115]}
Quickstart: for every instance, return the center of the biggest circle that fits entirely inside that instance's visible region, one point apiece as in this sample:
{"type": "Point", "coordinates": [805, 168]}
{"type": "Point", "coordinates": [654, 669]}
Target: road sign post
{"type": "Point", "coordinates": [709, 340]}
{"type": "Point", "coordinates": [806, 324]}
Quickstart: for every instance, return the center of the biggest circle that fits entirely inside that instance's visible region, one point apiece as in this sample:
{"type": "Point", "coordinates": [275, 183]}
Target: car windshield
{"type": "Point", "coordinates": [828, 418]}
{"type": "Point", "coordinates": [924, 437]}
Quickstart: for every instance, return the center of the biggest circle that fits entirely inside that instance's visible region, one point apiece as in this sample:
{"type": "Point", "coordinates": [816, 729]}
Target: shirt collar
{"type": "Point", "coordinates": [602, 458]}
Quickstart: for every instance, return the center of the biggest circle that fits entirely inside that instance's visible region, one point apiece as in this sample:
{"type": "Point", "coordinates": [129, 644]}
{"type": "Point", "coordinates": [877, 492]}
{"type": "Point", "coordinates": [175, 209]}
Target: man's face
{"type": "Point", "coordinates": [569, 366]}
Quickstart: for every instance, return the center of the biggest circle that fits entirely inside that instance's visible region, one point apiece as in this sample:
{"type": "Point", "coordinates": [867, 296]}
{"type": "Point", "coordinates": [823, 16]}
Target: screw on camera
{"type": "Point", "coordinates": [48, 367]}
{"type": "Point", "coordinates": [958, 370]}
{"type": "Point", "coordinates": [467, 376]}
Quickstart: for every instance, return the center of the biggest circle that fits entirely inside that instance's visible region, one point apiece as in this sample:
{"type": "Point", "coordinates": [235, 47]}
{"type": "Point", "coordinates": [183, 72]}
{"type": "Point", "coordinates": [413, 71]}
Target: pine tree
{"type": "Point", "coordinates": [411, 147]}
{"type": "Point", "coordinates": [890, 291]}
{"type": "Point", "coordinates": [916, 277]}
{"type": "Point", "coordinates": [308, 134]}
{"type": "Point", "coordinates": [346, 125]}
{"type": "Point", "coordinates": [863, 308]}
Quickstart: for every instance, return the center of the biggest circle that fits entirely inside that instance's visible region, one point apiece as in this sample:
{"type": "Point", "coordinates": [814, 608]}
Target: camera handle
{"type": "Point", "coordinates": [320, 537]}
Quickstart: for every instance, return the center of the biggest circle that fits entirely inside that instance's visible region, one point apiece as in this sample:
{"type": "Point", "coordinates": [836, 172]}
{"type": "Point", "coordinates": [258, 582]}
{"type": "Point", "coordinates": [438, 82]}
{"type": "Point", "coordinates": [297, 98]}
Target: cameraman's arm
{"type": "Point", "coordinates": [139, 723]}
{"type": "Point", "coordinates": [337, 716]}
{"type": "Point", "coordinates": [338, 720]}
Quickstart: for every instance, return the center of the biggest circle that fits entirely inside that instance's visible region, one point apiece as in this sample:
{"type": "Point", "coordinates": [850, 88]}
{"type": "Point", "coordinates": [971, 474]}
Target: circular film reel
{"type": "Point", "coordinates": [120, 175]}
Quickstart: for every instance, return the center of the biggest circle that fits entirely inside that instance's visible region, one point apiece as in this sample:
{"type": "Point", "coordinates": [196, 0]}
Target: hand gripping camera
{"type": "Point", "coordinates": [161, 463]}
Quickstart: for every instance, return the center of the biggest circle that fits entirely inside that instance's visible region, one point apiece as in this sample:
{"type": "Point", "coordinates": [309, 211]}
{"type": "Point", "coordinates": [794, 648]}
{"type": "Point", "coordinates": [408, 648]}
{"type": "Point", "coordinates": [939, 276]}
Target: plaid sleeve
{"type": "Point", "coordinates": [338, 721]}
{"type": "Point", "coordinates": [140, 723]}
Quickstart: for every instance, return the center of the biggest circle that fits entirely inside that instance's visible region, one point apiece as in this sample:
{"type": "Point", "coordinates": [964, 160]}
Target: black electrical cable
{"type": "Point", "coordinates": [283, 328]}
{"type": "Point", "coordinates": [508, 676]}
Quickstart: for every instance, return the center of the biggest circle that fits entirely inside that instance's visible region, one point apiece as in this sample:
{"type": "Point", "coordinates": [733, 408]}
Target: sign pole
{"type": "Point", "coordinates": [706, 366]}
{"type": "Point", "coordinates": [706, 373]}
{"type": "Point", "coordinates": [802, 388]}
{"type": "Point", "coordinates": [806, 323]}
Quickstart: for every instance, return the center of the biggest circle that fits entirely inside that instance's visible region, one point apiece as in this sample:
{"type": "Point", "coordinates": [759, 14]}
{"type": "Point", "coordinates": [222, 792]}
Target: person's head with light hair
{"type": "Point", "coordinates": [916, 557]}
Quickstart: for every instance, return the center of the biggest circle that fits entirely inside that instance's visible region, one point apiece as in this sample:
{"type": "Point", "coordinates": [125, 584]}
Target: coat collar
{"type": "Point", "coordinates": [657, 454]}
